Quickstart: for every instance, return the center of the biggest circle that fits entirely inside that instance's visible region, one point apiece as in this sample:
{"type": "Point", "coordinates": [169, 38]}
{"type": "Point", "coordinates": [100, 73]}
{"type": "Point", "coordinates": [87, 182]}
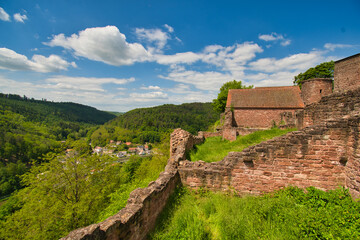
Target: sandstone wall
{"type": "Point", "coordinates": [347, 74]}
{"type": "Point", "coordinates": [333, 106]}
{"type": "Point", "coordinates": [180, 142]}
{"type": "Point", "coordinates": [144, 205]}
{"type": "Point", "coordinates": [325, 156]}
{"type": "Point", "coordinates": [211, 134]}
{"type": "Point", "coordinates": [139, 216]}
{"type": "Point", "coordinates": [258, 118]}
{"type": "Point", "coordinates": [313, 90]}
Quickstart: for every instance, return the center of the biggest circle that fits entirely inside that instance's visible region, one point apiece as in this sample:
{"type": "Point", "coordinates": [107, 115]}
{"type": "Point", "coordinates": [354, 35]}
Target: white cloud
{"type": "Point", "coordinates": [20, 18]}
{"type": "Point", "coordinates": [286, 42]}
{"type": "Point", "coordinates": [83, 83]}
{"type": "Point", "coordinates": [151, 88]}
{"type": "Point", "coordinates": [231, 58]}
{"type": "Point", "coordinates": [299, 62]}
{"type": "Point", "coordinates": [201, 80]}
{"type": "Point", "coordinates": [275, 37]}
{"type": "Point", "coordinates": [104, 44]}
{"type": "Point", "coordinates": [82, 90]}
{"type": "Point", "coordinates": [283, 78]}
{"type": "Point", "coordinates": [185, 57]}
{"type": "Point", "coordinates": [146, 97]}
{"type": "Point", "coordinates": [3, 15]}
{"type": "Point", "coordinates": [13, 61]}
{"type": "Point", "coordinates": [332, 46]}
{"type": "Point", "coordinates": [156, 36]}
{"type": "Point", "coordinates": [169, 28]}
{"type": "Point", "coordinates": [180, 89]}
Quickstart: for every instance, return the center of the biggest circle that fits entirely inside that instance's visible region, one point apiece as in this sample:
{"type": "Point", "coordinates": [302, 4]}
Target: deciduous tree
{"type": "Point", "coordinates": [219, 103]}
{"type": "Point", "coordinates": [323, 70]}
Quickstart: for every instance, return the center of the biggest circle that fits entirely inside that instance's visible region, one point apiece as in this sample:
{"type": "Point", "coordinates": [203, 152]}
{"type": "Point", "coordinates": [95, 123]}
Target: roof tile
{"type": "Point", "coordinates": [265, 97]}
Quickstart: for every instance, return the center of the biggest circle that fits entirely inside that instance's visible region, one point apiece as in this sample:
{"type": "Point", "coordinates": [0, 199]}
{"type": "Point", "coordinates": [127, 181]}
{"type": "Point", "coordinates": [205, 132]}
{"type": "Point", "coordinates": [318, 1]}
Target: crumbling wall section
{"type": "Point", "coordinates": [330, 107]}
{"type": "Point", "coordinates": [325, 156]}
{"type": "Point", "coordinates": [144, 205]}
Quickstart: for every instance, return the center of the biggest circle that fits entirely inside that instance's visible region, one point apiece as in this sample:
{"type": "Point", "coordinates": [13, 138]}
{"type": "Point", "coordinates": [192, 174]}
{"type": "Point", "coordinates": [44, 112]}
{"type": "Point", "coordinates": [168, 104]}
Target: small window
{"type": "Point", "coordinates": [320, 90]}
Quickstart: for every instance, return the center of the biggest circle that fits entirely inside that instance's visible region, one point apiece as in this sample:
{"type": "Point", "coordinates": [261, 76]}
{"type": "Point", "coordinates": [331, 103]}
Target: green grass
{"type": "Point", "coordinates": [214, 149]}
{"type": "Point", "coordinates": [286, 214]}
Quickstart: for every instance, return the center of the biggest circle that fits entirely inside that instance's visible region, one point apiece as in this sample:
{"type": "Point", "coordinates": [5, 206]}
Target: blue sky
{"type": "Point", "coordinates": [121, 55]}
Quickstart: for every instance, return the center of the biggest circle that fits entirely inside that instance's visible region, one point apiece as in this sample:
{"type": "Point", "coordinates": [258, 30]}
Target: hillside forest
{"type": "Point", "coordinates": [52, 182]}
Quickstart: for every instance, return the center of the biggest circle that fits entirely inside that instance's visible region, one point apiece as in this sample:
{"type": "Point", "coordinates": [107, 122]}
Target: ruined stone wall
{"type": "Point", "coordinates": [258, 118]}
{"type": "Point", "coordinates": [333, 106]}
{"type": "Point", "coordinates": [144, 205]}
{"type": "Point", "coordinates": [139, 216]}
{"type": "Point", "coordinates": [325, 156]}
{"type": "Point", "coordinates": [180, 142]}
{"type": "Point", "coordinates": [347, 74]}
{"type": "Point", "coordinates": [211, 134]}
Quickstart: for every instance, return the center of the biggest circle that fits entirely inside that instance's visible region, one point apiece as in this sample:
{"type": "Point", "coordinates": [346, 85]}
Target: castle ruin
{"type": "Point", "coordinates": [324, 153]}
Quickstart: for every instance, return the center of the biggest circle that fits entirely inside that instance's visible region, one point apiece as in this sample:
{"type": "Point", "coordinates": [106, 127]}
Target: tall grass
{"type": "Point", "coordinates": [287, 214]}
{"type": "Point", "coordinates": [215, 148]}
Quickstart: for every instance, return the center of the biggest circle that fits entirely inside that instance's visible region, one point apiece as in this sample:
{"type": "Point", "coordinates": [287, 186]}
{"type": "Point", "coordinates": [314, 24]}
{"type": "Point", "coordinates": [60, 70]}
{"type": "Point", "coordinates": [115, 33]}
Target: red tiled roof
{"type": "Point", "coordinates": [265, 97]}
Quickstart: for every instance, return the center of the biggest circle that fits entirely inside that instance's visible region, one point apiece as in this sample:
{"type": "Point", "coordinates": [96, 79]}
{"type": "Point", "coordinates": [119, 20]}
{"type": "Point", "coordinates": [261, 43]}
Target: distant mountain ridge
{"type": "Point", "coordinates": [40, 110]}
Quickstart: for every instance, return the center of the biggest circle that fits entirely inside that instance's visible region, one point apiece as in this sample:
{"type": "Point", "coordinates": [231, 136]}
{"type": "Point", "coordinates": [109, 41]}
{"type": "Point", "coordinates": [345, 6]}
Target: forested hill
{"type": "Point", "coordinates": [192, 117]}
{"type": "Point", "coordinates": [149, 124]}
{"type": "Point", "coordinates": [42, 110]}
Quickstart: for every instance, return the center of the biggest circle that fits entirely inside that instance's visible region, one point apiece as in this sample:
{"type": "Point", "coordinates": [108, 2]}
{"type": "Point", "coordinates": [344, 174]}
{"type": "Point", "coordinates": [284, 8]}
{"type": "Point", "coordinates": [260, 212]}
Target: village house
{"type": "Point", "coordinates": [121, 154]}
{"type": "Point", "coordinates": [132, 150]}
{"type": "Point", "coordinates": [98, 150]}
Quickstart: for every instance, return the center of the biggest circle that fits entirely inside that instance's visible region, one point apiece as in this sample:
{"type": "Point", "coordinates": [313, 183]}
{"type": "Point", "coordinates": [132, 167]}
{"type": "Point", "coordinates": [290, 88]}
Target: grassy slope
{"type": "Point", "coordinates": [215, 149]}
{"type": "Point", "coordinates": [287, 214]}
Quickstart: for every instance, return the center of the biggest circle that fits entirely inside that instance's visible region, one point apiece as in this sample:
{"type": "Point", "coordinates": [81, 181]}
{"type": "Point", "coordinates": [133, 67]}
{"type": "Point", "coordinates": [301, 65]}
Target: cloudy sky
{"type": "Point", "coordinates": [121, 55]}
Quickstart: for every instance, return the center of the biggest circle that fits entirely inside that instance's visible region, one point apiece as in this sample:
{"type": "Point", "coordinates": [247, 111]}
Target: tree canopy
{"type": "Point", "coordinates": [323, 70]}
{"type": "Point", "coordinates": [219, 103]}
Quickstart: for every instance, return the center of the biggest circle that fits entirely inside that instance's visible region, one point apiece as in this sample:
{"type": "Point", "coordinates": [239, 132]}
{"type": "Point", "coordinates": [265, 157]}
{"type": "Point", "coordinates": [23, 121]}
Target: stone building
{"type": "Point", "coordinates": [261, 107]}
{"type": "Point", "coordinates": [249, 110]}
{"type": "Point", "coordinates": [313, 90]}
{"type": "Point", "coordinates": [347, 73]}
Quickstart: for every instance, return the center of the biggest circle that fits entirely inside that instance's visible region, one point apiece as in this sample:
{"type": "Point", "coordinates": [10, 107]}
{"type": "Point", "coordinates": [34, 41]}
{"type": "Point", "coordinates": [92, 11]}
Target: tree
{"type": "Point", "coordinates": [61, 195]}
{"type": "Point", "coordinates": [323, 70]}
{"type": "Point", "coordinates": [219, 103]}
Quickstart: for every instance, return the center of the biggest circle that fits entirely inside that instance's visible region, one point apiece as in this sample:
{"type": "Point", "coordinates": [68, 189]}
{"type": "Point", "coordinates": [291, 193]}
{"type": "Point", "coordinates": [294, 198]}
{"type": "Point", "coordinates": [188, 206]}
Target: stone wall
{"type": "Point", "coordinates": [333, 106]}
{"type": "Point", "coordinates": [325, 156]}
{"type": "Point", "coordinates": [211, 134]}
{"type": "Point", "coordinates": [144, 205]}
{"type": "Point", "coordinates": [139, 216]}
{"type": "Point", "coordinates": [314, 89]}
{"type": "Point", "coordinates": [264, 117]}
{"type": "Point", "coordinates": [180, 142]}
{"type": "Point", "coordinates": [347, 74]}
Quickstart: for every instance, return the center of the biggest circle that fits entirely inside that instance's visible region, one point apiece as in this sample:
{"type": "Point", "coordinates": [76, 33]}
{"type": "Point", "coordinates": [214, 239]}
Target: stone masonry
{"type": "Point", "coordinates": [325, 156]}
{"type": "Point", "coordinates": [347, 73]}
{"type": "Point", "coordinates": [314, 89]}
{"type": "Point", "coordinates": [144, 205]}
{"type": "Point", "coordinates": [333, 106]}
